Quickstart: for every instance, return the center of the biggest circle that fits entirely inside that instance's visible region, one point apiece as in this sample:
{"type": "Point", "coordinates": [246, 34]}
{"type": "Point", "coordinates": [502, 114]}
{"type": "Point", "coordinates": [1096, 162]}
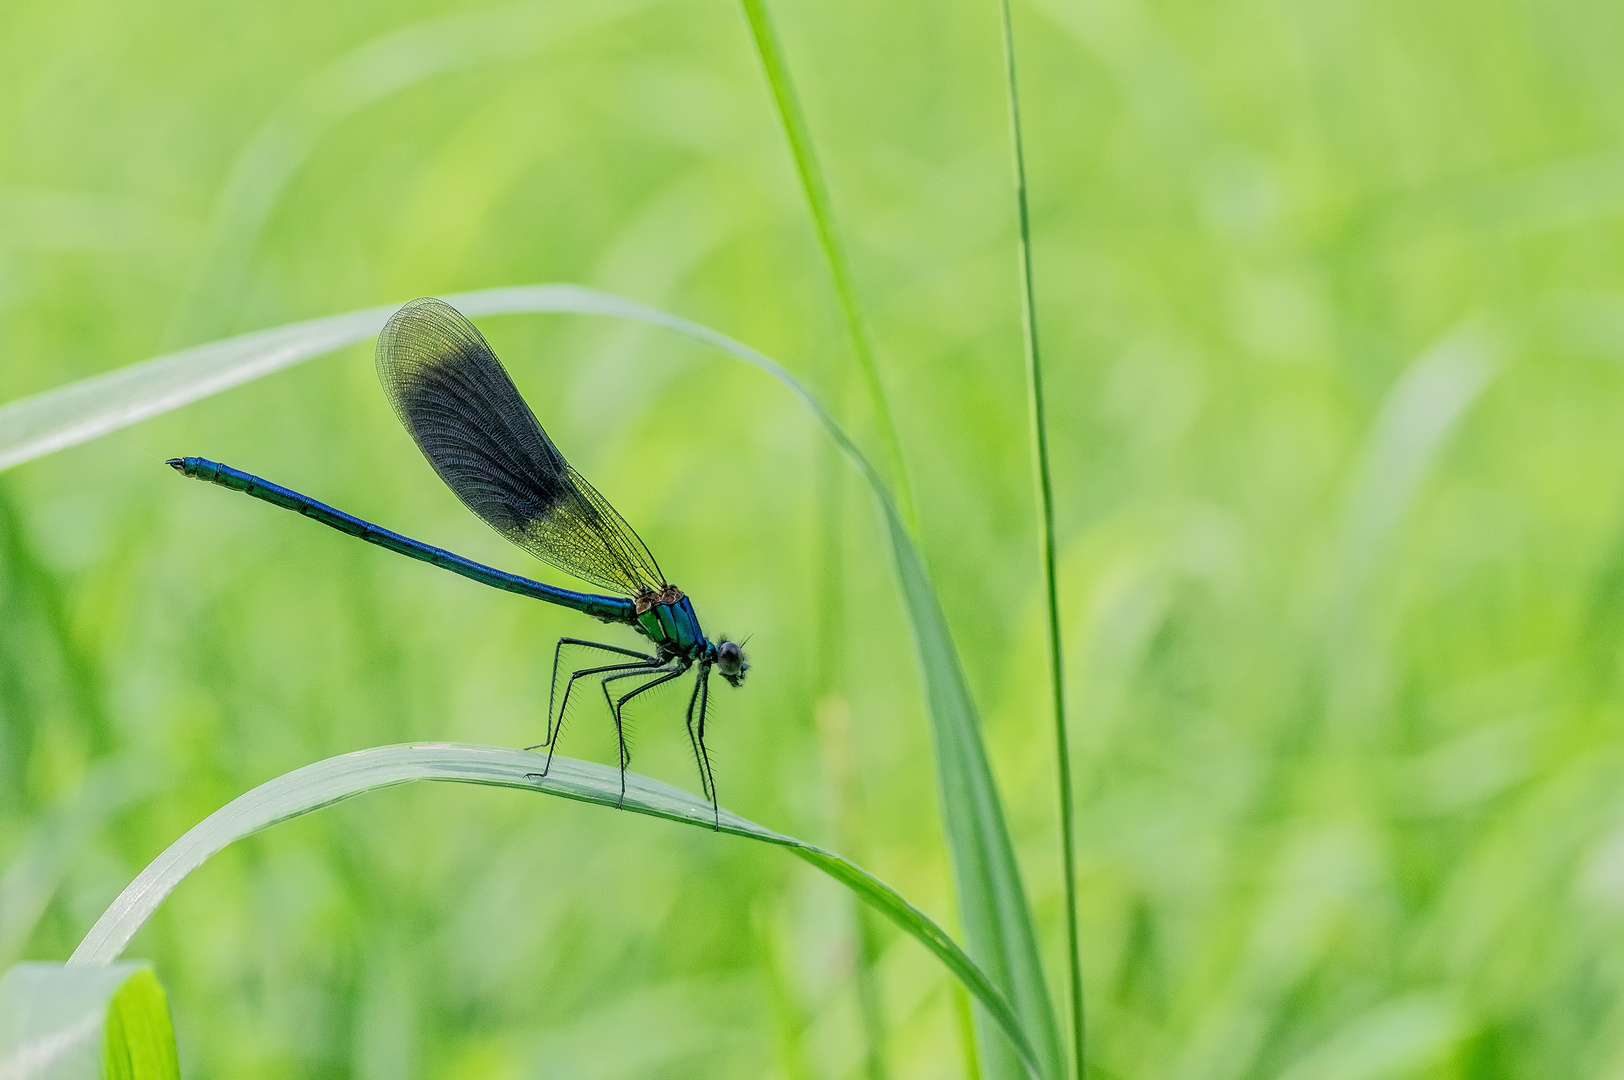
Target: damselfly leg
{"type": "Point", "coordinates": [701, 697]}
{"type": "Point", "coordinates": [552, 741]}
{"type": "Point", "coordinates": [693, 740]}
{"type": "Point", "coordinates": [557, 655]}
{"type": "Point", "coordinates": [665, 675]}
{"type": "Point", "coordinates": [555, 726]}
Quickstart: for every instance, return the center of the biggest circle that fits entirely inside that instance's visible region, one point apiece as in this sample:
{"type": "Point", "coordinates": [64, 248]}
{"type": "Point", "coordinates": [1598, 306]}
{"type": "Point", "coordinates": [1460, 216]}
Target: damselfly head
{"type": "Point", "coordinates": [730, 662]}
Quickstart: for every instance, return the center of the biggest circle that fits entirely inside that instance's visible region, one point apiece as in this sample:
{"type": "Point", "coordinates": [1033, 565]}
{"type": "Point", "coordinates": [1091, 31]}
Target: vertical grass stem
{"type": "Point", "coordinates": [1045, 493]}
{"type": "Point", "coordinates": [823, 219]}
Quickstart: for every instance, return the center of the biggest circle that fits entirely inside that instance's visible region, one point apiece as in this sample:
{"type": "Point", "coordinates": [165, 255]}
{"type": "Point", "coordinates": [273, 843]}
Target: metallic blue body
{"type": "Point", "coordinates": [614, 609]}
{"type": "Point", "coordinates": [670, 622]}
{"type": "Point", "coordinates": [667, 619]}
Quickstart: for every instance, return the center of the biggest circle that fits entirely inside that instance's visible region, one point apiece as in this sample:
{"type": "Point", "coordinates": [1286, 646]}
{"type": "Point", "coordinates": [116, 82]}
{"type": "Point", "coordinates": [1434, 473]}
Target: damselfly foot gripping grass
{"type": "Point", "coordinates": [462, 409]}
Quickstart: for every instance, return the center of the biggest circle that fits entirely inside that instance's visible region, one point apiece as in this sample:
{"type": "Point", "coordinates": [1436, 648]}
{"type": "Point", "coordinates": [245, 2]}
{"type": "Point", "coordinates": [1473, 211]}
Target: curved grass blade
{"type": "Point", "coordinates": [335, 779]}
{"type": "Point", "coordinates": [1046, 545]}
{"type": "Point", "coordinates": [85, 1023]}
{"type": "Point", "coordinates": [1417, 416]}
{"type": "Point", "coordinates": [997, 921]}
{"type": "Point", "coordinates": [72, 414]}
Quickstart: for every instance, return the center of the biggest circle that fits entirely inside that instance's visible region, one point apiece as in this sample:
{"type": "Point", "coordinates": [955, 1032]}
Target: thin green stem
{"type": "Point", "coordinates": [965, 1021]}
{"type": "Point", "coordinates": [1045, 491]}
{"type": "Point", "coordinates": [823, 219]}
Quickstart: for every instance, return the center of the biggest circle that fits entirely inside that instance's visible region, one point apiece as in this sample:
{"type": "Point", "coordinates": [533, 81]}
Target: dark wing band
{"type": "Point", "coordinates": [462, 409]}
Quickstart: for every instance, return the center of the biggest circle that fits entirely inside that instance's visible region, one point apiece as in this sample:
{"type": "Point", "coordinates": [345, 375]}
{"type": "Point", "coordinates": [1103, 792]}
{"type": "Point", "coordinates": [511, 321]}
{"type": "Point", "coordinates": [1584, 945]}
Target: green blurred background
{"type": "Point", "coordinates": [1334, 313]}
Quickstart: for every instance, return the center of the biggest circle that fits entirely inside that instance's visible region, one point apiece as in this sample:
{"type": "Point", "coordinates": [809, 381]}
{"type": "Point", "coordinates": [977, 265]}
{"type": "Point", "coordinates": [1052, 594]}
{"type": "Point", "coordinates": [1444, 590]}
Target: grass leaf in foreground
{"type": "Point", "coordinates": [85, 1023]}
{"type": "Point", "coordinates": [992, 901]}
{"type": "Point", "coordinates": [338, 778]}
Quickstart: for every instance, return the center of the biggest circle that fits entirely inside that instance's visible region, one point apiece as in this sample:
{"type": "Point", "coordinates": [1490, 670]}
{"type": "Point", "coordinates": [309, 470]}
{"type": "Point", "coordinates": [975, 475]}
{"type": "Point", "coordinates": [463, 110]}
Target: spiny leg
{"type": "Point", "coordinates": [666, 674]}
{"type": "Point", "coordinates": [558, 718]}
{"type": "Point", "coordinates": [552, 743]}
{"type": "Point", "coordinates": [570, 685]}
{"type": "Point", "coordinates": [552, 687]}
{"type": "Point", "coordinates": [693, 700]}
{"type": "Point", "coordinates": [704, 755]}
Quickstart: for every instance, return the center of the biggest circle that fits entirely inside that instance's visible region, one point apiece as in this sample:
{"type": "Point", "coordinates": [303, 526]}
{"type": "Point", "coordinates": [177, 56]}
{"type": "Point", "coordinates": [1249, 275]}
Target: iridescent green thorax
{"type": "Point", "coordinates": [667, 618]}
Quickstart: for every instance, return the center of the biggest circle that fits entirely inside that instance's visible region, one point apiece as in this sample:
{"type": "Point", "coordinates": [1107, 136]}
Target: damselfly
{"type": "Point", "coordinates": [462, 409]}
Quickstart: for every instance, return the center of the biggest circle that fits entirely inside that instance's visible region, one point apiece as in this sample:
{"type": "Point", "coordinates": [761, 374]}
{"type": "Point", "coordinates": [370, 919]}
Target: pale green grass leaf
{"type": "Point", "coordinates": [335, 779]}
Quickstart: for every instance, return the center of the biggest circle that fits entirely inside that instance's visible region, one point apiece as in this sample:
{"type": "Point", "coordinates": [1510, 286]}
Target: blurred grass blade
{"type": "Point", "coordinates": [85, 1023]}
{"type": "Point", "coordinates": [834, 251]}
{"type": "Point", "coordinates": [92, 407]}
{"type": "Point", "coordinates": [1416, 419]}
{"type": "Point", "coordinates": [330, 781]}
{"type": "Point", "coordinates": [57, 839]}
{"type": "Point", "coordinates": [1046, 545]}
{"type": "Point", "coordinates": [992, 902]}
{"type": "Point", "coordinates": [104, 403]}
{"type": "Point", "coordinates": [1405, 1036]}
{"type": "Point", "coordinates": [387, 65]}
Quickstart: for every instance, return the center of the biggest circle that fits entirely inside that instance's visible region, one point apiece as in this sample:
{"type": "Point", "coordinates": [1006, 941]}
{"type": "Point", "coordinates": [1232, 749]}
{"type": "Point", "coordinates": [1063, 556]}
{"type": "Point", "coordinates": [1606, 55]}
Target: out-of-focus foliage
{"type": "Point", "coordinates": [1334, 312]}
